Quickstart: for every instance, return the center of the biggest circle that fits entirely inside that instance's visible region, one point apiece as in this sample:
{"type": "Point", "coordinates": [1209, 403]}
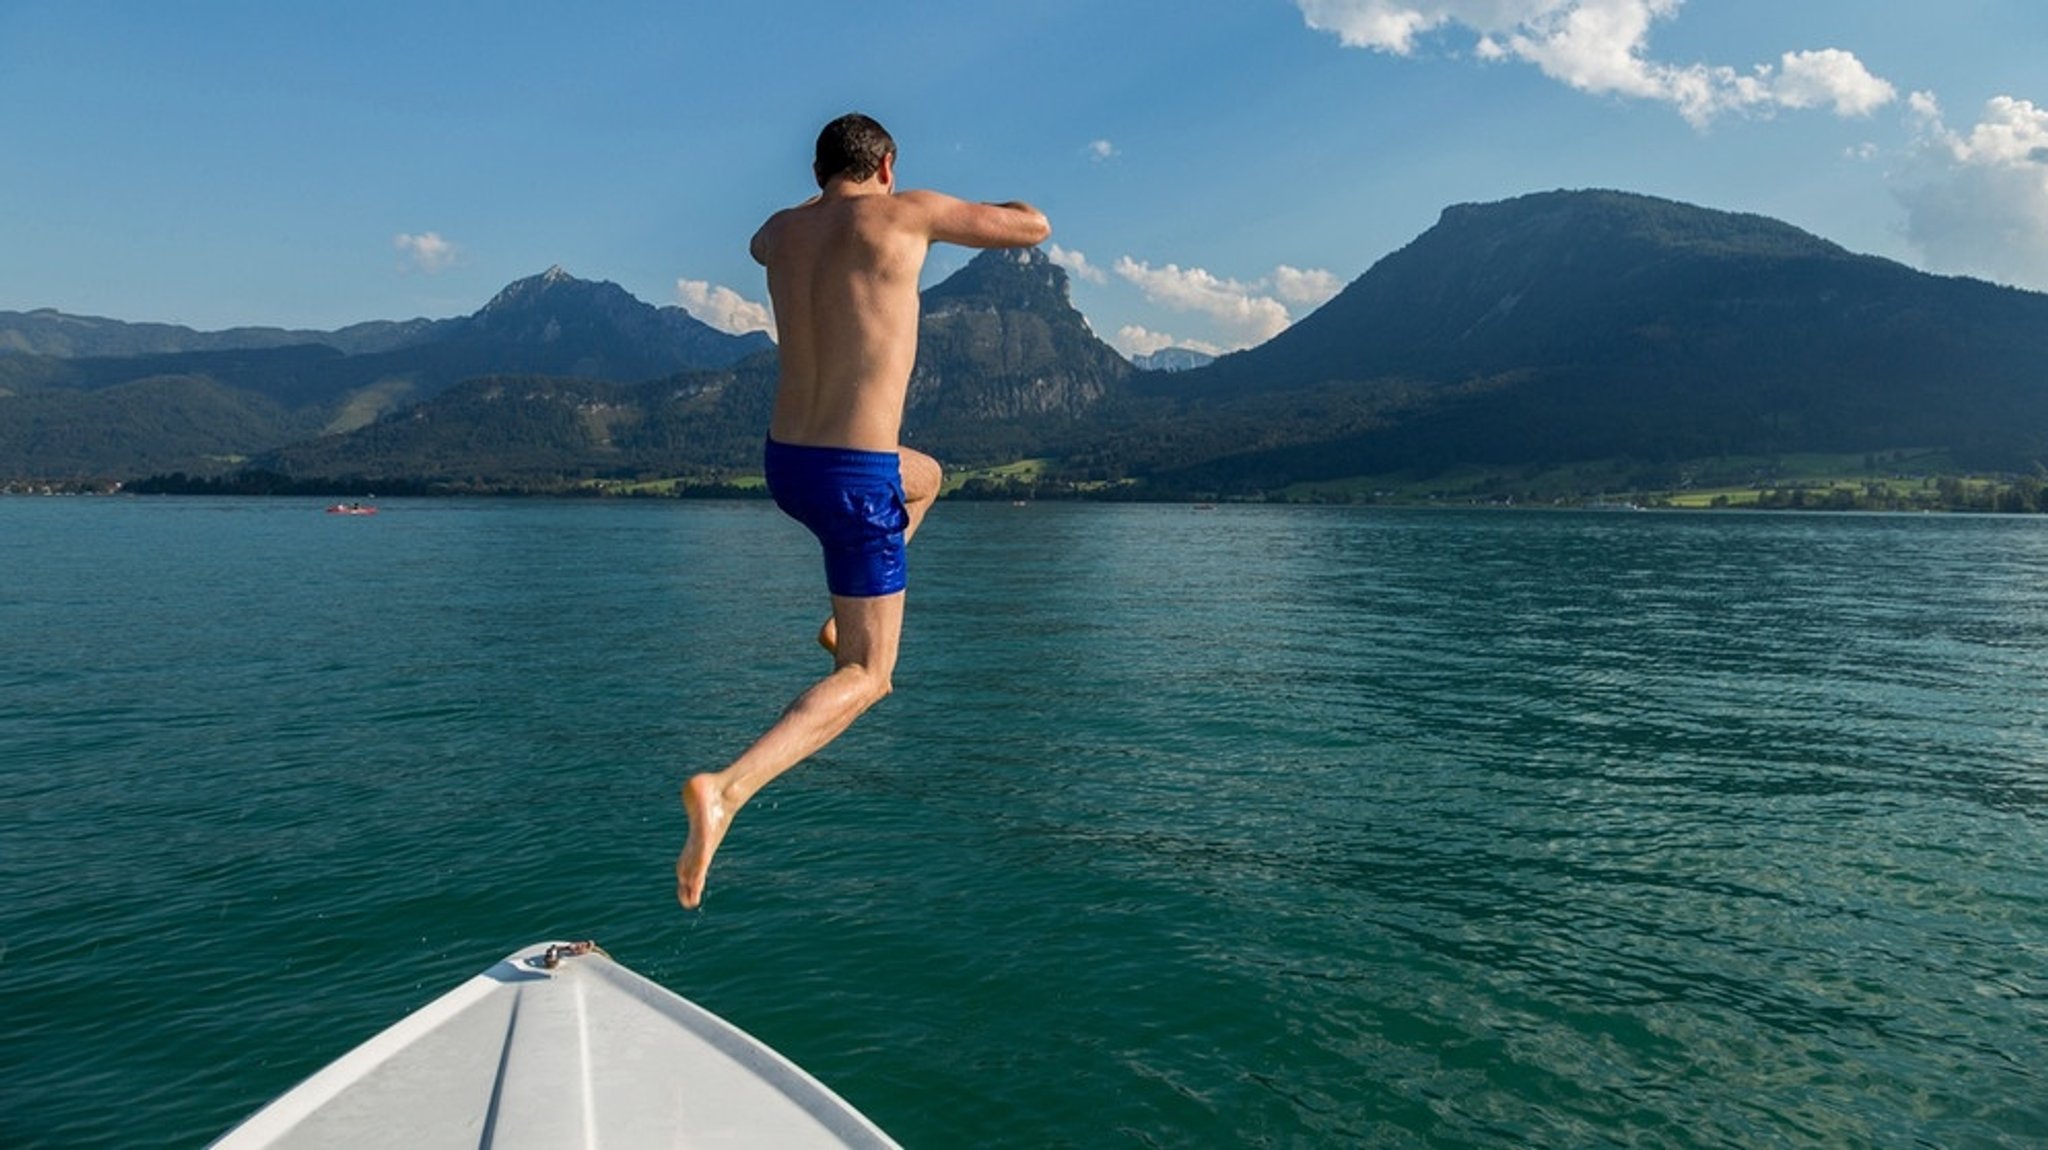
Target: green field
{"type": "Point", "coordinates": [670, 486]}
{"type": "Point", "coordinates": [1022, 471]}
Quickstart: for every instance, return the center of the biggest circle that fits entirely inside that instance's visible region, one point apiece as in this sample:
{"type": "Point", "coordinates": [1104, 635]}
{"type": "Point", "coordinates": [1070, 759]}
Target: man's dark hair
{"type": "Point", "coordinates": [853, 146]}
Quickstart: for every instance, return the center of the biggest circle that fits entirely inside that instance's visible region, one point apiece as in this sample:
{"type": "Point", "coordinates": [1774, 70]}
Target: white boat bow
{"type": "Point", "coordinates": [558, 1046]}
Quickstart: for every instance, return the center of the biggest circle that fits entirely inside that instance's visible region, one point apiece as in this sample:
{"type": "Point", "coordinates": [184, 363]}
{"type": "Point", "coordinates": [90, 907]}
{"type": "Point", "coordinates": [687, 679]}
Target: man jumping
{"type": "Point", "coordinates": [843, 268]}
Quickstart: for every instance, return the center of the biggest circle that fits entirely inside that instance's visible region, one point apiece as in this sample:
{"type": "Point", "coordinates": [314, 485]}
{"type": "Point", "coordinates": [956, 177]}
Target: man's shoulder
{"type": "Point", "coordinates": [784, 226]}
{"type": "Point", "coordinates": [925, 200]}
{"type": "Point", "coordinates": [912, 214]}
{"type": "Point", "coordinates": [782, 216]}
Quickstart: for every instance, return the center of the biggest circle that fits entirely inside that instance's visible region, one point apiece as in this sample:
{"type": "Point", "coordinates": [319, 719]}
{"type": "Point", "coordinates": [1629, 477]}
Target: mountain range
{"type": "Point", "coordinates": [1517, 335]}
{"type": "Point", "coordinates": [1581, 325]}
{"type": "Point", "coordinates": [82, 396]}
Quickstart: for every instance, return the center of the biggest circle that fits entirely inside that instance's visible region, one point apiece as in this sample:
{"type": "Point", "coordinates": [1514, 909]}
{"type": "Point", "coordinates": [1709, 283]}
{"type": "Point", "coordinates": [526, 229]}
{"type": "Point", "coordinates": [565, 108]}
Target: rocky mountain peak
{"type": "Point", "coordinates": [553, 285]}
{"type": "Point", "coordinates": [1173, 359]}
{"type": "Point", "coordinates": [596, 329]}
{"type": "Point", "coordinates": [1023, 279]}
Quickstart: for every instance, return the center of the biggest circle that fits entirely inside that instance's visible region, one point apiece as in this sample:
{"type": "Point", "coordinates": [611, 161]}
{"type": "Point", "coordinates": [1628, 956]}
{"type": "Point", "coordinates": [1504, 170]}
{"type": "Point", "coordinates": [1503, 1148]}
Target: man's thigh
{"type": "Point", "coordinates": [869, 630]}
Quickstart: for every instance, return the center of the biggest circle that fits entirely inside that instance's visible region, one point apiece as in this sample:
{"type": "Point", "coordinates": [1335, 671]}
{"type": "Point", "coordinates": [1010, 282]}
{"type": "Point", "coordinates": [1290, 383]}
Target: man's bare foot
{"type": "Point", "coordinates": [708, 820]}
{"type": "Point", "coordinates": [828, 635]}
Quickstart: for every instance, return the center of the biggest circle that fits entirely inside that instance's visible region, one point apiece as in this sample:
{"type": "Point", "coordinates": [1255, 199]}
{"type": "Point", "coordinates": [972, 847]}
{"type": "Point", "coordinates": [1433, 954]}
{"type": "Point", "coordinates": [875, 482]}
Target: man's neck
{"type": "Point", "coordinates": [841, 188]}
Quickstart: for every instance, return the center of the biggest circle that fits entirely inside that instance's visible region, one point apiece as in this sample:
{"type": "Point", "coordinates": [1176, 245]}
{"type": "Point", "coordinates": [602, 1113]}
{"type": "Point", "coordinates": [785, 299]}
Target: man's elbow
{"type": "Point", "coordinates": [1023, 224]}
{"type": "Point", "coordinates": [1034, 228]}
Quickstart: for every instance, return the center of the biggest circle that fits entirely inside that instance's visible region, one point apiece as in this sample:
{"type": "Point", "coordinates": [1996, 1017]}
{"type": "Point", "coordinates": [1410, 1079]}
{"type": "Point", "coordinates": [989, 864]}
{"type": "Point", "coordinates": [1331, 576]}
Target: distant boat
{"type": "Point", "coordinates": [558, 1045]}
{"type": "Point", "coordinates": [352, 509]}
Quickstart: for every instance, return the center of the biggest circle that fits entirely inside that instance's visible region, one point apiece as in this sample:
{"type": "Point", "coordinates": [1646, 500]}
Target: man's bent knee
{"type": "Point", "coordinates": [870, 686]}
{"type": "Point", "coordinates": [922, 475]}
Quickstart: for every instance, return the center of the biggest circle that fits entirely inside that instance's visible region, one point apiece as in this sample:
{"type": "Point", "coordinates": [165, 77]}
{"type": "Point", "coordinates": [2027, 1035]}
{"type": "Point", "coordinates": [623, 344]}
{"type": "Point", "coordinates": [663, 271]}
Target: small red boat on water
{"type": "Point", "coordinates": [352, 509]}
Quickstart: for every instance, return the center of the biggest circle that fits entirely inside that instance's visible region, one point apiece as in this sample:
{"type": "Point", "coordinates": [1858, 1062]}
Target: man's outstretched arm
{"type": "Point", "coordinates": [1015, 224]}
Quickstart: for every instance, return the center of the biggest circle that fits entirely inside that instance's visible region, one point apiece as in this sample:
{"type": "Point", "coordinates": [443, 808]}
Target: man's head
{"type": "Point", "coordinates": [853, 146]}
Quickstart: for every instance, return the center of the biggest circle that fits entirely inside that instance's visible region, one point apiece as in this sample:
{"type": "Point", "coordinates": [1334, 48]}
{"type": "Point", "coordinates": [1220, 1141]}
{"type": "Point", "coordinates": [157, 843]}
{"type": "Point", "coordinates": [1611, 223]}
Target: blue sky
{"type": "Point", "coordinates": [1213, 171]}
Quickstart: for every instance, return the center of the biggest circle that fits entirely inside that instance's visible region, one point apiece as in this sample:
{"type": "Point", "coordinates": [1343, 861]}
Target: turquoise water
{"type": "Point", "coordinates": [1247, 827]}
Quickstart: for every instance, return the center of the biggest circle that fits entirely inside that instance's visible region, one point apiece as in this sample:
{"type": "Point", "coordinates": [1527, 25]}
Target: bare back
{"type": "Point", "coordinates": [842, 274]}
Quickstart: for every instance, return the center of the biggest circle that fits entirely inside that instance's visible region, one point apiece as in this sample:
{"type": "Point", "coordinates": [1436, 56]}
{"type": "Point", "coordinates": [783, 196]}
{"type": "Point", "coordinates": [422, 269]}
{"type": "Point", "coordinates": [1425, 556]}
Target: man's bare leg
{"type": "Point", "coordinates": [922, 478]}
{"type": "Point", "coordinates": [859, 680]}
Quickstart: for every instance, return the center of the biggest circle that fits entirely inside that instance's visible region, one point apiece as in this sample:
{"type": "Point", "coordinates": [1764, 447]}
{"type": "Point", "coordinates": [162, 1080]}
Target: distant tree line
{"type": "Point", "coordinates": [2022, 495]}
{"type": "Point", "coordinates": [261, 482]}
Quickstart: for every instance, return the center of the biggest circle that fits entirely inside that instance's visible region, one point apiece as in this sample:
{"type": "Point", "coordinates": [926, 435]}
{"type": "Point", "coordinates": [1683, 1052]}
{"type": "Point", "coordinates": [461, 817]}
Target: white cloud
{"type": "Point", "coordinates": [1311, 288]}
{"type": "Point", "coordinates": [1602, 47]}
{"type": "Point", "coordinates": [1597, 46]}
{"type": "Point", "coordinates": [1076, 263]}
{"type": "Point", "coordinates": [1100, 150]}
{"type": "Point", "coordinates": [1977, 203]}
{"type": "Point", "coordinates": [1383, 25]}
{"type": "Point", "coordinates": [723, 308]}
{"type": "Point", "coordinates": [1243, 314]}
{"type": "Point", "coordinates": [1830, 77]}
{"type": "Point", "coordinates": [1135, 341]}
{"type": "Point", "coordinates": [1247, 313]}
{"type": "Point", "coordinates": [2012, 134]}
{"type": "Point", "coordinates": [427, 252]}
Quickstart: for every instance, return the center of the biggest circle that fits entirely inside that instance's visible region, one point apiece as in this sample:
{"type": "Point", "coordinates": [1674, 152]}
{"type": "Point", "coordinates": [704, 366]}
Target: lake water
{"type": "Point", "coordinates": [1245, 827]}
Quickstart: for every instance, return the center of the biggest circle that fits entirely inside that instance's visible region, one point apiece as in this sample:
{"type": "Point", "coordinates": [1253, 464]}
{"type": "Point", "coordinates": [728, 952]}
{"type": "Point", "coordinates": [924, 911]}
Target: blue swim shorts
{"type": "Point", "coordinates": [853, 502]}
